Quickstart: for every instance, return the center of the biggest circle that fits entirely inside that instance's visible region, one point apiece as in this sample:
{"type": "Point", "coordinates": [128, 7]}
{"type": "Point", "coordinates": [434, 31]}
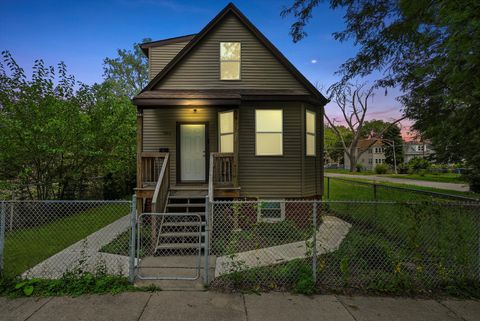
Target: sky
{"type": "Point", "coordinates": [83, 33]}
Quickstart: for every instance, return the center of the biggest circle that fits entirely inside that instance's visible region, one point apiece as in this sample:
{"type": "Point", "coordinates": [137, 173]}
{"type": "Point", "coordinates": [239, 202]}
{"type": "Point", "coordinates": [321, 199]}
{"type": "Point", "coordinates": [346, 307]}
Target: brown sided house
{"type": "Point", "coordinates": [225, 114]}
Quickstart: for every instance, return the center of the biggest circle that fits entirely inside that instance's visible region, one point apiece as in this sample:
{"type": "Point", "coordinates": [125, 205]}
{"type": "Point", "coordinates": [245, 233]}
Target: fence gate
{"type": "Point", "coordinates": [169, 246]}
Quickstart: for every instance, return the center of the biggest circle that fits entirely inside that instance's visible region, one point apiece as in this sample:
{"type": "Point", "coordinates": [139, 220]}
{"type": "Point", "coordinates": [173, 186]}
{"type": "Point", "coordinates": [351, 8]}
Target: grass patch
{"type": "Point", "coordinates": [347, 190]}
{"type": "Point", "coordinates": [433, 177]}
{"type": "Point", "coordinates": [27, 247]}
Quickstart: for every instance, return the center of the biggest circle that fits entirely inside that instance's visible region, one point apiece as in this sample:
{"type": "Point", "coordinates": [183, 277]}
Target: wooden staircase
{"type": "Point", "coordinates": [182, 234]}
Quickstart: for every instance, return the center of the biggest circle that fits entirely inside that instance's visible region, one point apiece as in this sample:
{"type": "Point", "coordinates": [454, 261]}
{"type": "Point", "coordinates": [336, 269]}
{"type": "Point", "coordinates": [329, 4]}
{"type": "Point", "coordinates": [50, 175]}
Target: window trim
{"type": "Point", "coordinates": [220, 134]}
{"type": "Point", "coordinates": [314, 133]}
{"type": "Point", "coordinates": [220, 61]}
{"type": "Point", "coordinates": [256, 132]}
{"type": "Point", "coordinates": [271, 219]}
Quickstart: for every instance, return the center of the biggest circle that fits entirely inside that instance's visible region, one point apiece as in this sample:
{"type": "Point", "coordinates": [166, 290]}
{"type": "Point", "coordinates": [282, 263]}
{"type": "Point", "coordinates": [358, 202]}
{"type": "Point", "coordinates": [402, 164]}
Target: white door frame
{"type": "Point", "coordinates": [179, 154]}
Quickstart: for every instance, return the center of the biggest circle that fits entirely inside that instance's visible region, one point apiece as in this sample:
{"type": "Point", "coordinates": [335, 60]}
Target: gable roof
{"type": "Point", "coordinates": [231, 8]}
{"type": "Point", "coordinates": [157, 43]}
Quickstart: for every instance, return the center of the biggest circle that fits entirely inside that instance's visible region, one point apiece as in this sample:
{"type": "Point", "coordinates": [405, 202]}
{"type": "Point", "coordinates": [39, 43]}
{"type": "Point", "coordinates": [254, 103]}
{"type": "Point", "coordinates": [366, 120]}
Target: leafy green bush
{"type": "Point", "coordinates": [359, 168]}
{"type": "Point", "coordinates": [417, 164]}
{"type": "Point", "coordinates": [381, 169]}
{"type": "Point", "coordinates": [402, 169]}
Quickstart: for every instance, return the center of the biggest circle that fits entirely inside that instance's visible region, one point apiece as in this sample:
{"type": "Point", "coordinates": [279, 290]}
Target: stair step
{"type": "Point", "coordinates": [185, 205]}
{"type": "Point", "coordinates": [186, 197]}
{"type": "Point", "coordinates": [182, 234]}
{"type": "Point", "coordinates": [181, 224]}
{"type": "Point", "coordinates": [166, 246]}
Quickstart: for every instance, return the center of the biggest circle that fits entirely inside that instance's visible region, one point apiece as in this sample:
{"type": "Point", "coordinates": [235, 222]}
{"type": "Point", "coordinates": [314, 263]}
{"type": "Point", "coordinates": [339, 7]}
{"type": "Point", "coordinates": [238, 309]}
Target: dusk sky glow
{"type": "Point", "coordinates": [83, 33]}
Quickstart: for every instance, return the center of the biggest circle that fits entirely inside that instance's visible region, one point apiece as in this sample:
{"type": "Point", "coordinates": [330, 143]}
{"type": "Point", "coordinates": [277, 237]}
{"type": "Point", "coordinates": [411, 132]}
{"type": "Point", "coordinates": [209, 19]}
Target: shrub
{"type": "Point", "coordinates": [359, 168]}
{"type": "Point", "coordinates": [417, 164]}
{"type": "Point", "coordinates": [402, 169]}
{"type": "Point", "coordinates": [381, 169]}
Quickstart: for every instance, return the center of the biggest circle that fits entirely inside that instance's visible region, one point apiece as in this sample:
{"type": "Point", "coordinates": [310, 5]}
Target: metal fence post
{"type": "Point", "coordinates": [3, 212]}
{"type": "Point", "coordinates": [133, 221]}
{"type": "Point", "coordinates": [314, 249]}
{"type": "Point", "coordinates": [207, 241]}
{"type": "Point", "coordinates": [374, 191]}
{"type": "Point", "coordinates": [328, 187]}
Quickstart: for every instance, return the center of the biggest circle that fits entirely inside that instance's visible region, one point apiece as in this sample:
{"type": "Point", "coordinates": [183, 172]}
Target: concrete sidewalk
{"type": "Point", "coordinates": [203, 306]}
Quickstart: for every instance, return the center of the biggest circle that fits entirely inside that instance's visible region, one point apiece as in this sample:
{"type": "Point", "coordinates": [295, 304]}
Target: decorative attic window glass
{"type": "Point", "coordinates": [310, 133]}
{"type": "Point", "coordinates": [230, 53]}
{"type": "Point", "coordinates": [226, 127]}
{"type": "Point", "coordinates": [268, 132]}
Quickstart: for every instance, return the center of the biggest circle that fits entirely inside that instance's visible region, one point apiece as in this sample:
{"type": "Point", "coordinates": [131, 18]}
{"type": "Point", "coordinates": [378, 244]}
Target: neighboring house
{"type": "Point", "coordinates": [225, 114]}
{"type": "Point", "coordinates": [416, 149]}
{"type": "Point", "coordinates": [371, 156]}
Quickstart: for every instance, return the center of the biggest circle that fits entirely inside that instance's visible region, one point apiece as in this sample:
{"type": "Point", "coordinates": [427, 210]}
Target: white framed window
{"type": "Point", "coordinates": [310, 130]}
{"type": "Point", "coordinates": [268, 132]}
{"type": "Point", "coordinates": [271, 211]}
{"type": "Point", "coordinates": [230, 60]}
{"type": "Point", "coordinates": [226, 129]}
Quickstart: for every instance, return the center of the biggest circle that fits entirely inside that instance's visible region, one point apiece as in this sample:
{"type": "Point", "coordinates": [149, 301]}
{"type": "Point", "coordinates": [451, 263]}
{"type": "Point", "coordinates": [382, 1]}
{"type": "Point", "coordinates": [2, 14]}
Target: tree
{"type": "Point", "coordinates": [333, 144]}
{"type": "Point", "coordinates": [352, 100]}
{"type": "Point", "coordinates": [58, 136]}
{"type": "Point", "coordinates": [429, 48]}
{"type": "Point", "coordinates": [392, 136]}
{"type": "Point", "coordinates": [129, 70]}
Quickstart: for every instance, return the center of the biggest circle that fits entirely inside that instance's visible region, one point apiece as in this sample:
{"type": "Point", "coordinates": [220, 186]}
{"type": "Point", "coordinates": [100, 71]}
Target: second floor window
{"type": "Point", "coordinates": [230, 54]}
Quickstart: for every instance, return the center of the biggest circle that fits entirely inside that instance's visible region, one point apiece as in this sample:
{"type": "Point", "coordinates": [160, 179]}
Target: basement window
{"type": "Point", "coordinates": [230, 53]}
{"type": "Point", "coordinates": [271, 211]}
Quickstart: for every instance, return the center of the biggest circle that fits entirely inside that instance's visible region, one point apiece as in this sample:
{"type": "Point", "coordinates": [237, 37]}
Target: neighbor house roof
{"type": "Point", "coordinates": [231, 8]}
{"type": "Point", "coordinates": [146, 45]}
{"type": "Point", "coordinates": [363, 144]}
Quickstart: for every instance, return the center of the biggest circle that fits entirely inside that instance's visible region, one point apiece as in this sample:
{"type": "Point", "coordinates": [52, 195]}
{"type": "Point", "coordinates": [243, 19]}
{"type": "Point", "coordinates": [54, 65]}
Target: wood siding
{"type": "Point", "coordinates": [159, 129]}
{"type": "Point", "coordinates": [159, 57]}
{"type": "Point", "coordinates": [291, 175]}
{"type": "Point", "coordinates": [271, 176]}
{"type": "Point", "coordinates": [200, 69]}
{"type": "Point", "coordinates": [313, 166]}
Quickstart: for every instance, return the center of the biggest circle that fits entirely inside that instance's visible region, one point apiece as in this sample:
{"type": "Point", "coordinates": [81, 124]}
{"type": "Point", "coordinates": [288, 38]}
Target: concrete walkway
{"type": "Point", "coordinates": [87, 249]}
{"type": "Point", "coordinates": [328, 238]}
{"type": "Point", "coordinates": [203, 306]}
{"type": "Point", "coordinates": [439, 185]}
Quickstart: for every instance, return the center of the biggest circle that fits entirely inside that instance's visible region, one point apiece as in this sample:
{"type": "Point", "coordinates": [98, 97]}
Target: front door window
{"type": "Point", "coordinates": [192, 152]}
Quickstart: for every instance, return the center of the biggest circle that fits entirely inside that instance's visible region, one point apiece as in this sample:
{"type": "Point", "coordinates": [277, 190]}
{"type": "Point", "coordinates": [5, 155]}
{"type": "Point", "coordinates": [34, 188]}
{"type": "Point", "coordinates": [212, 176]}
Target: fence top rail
{"type": "Point", "coordinates": [68, 201]}
{"type": "Point", "coordinates": [438, 194]}
{"type": "Point", "coordinates": [472, 204]}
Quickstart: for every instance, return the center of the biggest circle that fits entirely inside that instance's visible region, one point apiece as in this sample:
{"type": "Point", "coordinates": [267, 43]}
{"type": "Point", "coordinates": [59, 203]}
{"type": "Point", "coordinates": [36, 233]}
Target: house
{"type": "Point", "coordinates": [417, 149]}
{"type": "Point", "coordinates": [369, 152]}
{"type": "Point", "coordinates": [225, 114]}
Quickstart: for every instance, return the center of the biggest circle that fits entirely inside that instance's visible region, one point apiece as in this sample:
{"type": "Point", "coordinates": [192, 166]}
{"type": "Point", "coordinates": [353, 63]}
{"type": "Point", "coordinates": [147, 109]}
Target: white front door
{"type": "Point", "coordinates": [192, 152]}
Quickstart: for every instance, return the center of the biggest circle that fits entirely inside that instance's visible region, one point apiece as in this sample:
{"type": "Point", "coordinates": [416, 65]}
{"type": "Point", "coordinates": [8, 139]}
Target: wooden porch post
{"type": "Point", "coordinates": [139, 156]}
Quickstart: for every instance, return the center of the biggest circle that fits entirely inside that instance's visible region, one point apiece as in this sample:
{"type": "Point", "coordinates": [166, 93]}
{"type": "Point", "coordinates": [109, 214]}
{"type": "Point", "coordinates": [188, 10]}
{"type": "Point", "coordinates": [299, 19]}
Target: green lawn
{"type": "Point", "coordinates": [430, 177]}
{"type": "Point", "coordinates": [433, 177]}
{"type": "Point", "coordinates": [29, 246]}
{"type": "Point", "coordinates": [348, 190]}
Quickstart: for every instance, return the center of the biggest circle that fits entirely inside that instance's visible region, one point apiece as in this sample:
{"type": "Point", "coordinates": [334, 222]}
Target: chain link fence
{"type": "Point", "coordinates": [345, 244]}
{"type": "Point", "coordinates": [47, 239]}
{"type": "Point", "coordinates": [337, 188]}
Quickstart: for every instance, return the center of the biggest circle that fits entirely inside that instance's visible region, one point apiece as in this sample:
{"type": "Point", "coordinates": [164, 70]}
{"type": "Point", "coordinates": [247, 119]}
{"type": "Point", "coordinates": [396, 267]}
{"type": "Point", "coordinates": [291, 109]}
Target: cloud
{"type": "Point", "coordinates": [313, 61]}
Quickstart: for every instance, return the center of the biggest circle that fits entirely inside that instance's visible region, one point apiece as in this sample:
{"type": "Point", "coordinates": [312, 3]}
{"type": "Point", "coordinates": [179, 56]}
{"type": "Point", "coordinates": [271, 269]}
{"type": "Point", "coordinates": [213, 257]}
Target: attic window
{"type": "Point", "coordinates": [230, 60]}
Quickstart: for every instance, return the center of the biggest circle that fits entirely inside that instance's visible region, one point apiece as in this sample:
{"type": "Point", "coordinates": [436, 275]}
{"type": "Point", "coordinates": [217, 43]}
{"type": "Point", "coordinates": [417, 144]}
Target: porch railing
{"type": "Point", "coordinates": [223, 171]}
{"type": "Point", "coordinates": [152, 163]}
{"type": "Point", "coordinates": [160, 195]}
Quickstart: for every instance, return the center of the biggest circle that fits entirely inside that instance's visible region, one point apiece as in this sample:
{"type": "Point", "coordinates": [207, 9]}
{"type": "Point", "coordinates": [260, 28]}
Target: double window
{"type": "Point", "coordinates": [230, 54]}
{"type": "Point", "coordinates": [310, 133]}
{"type": "Point", "coordinates": [226, 128]}
{"type": "Point", "coordinates": [268, 132]}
